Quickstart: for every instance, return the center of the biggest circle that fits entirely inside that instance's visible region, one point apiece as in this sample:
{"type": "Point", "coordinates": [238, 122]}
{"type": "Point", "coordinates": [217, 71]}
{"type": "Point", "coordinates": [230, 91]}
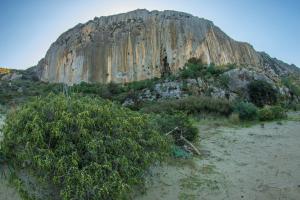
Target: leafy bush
{"type": "Point", "coordinates": [87, 147]}
{"type": "Point", "coordinates": [265, 114]}
{"type": "Point", "coordinates": [194, 68]}
{"type": "Point", "coordinates": [191, 105]}
{"type": "Point", "coordinates": [223, 81]}
{"type": "Point", "coordinates": [293, 87]}
{"type": "Point", "coordinates": [106, 91]}
{"type": "Point", "coordinates": [262, 93]}
{"type": "Point", "coordinates": [246, 111]}
{"type": "Point", "coordinates": [234, 118]}
{"type": "Point", "coordinates": [292, 106]}
{"type": "Point", "coordinates": [271, 113]}
{"type": "Point", "coordinates": [278, 112]}
{"type": "Point", "coordinates": [165, 123]}
{"type": "Point", "coordinates": [139, 85]}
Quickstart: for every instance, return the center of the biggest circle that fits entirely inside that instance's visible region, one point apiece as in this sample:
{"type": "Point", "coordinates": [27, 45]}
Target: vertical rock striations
{"type": "Point", "coordinates": [141, 45]}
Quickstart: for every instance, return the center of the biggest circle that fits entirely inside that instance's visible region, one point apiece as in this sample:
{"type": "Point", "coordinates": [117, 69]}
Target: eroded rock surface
{"type": "Point", "coordinates": [140, 45]}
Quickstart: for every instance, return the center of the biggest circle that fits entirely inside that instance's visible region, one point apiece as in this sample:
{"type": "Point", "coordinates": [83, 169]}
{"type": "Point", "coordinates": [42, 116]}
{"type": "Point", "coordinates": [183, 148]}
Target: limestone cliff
{"type": "Point", "coordinates": [141, 45]}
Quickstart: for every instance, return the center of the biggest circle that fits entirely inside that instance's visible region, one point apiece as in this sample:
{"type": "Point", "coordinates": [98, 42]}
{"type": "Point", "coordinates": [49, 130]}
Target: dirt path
{"type": "Point", "coordinates": [255, 163]}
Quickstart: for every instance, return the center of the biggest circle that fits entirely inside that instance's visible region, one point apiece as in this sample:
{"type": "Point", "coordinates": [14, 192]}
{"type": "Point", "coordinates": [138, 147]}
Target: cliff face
{"type": "Point", "coordinates": [141, 45]}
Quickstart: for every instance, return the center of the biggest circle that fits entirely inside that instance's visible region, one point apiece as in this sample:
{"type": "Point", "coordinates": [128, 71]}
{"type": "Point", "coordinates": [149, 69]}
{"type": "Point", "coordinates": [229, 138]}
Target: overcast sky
{"type": "Point", "coordinates": [28, 27]}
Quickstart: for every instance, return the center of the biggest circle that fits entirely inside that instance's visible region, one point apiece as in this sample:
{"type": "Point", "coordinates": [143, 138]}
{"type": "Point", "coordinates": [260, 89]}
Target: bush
{"type": "Point", "coordinates": [265, 114]}
{"type": "Point", "coordinates": [292, 106]}
{"type": "Point", "coordinates": [144, 84]}
{"type": "Point", "coordinates": [106, 91]}
{"type": "Point", "coordinates": [224, 81]}
{"type": "Point", "coordinates": [262, 93]}
{"type": "Point", "coordinates": [165, 123]}
{"type": "Point", "coordinates": [293, 87]}
{"type": "Point", "coordinates": [191, 105]}
{"type": "Point", "coordinates": [234, 118]}
{"type": "Point", "coordinates": [87, 147]}
{"type": "Point", "coordinates": [246, 111]}
{"type": "Point", "coordinates": [194, 68]}
{"type": "Point", "coordinates": [269, 113]}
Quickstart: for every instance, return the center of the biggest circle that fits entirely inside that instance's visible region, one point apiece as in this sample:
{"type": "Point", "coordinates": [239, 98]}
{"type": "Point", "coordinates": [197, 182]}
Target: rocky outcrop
{"type": "Point", "coordinates": [140, 45]}
{"type": "Point", "coordinates": [11, 76]}
{"type": "Point", "coordinates": [239, 79]}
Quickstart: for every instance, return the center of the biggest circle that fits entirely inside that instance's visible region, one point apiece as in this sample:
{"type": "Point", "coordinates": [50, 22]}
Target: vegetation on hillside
{"type": "Point", "coordinates": [191, 105]}
{"type": "Point", "coordinates": [262, 93]}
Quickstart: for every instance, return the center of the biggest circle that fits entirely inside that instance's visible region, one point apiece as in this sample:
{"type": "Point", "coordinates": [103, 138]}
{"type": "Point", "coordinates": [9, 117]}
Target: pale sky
{"type": "Point", "coordinates": [29, 27]}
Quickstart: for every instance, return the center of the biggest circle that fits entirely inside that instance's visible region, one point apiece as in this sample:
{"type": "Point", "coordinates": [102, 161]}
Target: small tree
{"type": "Point", "coordinates": [262, 93]}
{"type": "Point", "coordinates": [193, 69]}
{"type": "Point", "coordinates": [246, 111]}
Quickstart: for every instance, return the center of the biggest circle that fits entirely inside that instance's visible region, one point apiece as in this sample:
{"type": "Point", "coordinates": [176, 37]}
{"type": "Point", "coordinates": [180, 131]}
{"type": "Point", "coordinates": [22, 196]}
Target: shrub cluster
{"type": "Point", "coordinates": [190, 105]}
{"type": "Point", "coordinates": [271, 113]}
{"type": "Point", "coordinates": [293, 87]}
{"type": "Point", "coordinates": [165, 123]}
{"type": "Point", "coordinates": [262, 93]}
{"type": "Point", "coordinates": [246, 111]}
{"type": "Point", "coordinates": [194, 68]}
{"type": "Point", "coordinates": [106, 91]}
{"type": "Point", "coordinates": [87, 147]}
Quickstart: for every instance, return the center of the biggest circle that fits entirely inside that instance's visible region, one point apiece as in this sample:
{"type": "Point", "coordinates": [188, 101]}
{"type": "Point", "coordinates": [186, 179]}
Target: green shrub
{"type": "Point", "coordinates": [224, 81]}
{"type": "Point", "coordinates": [269, 113]}
{"type": "Point", "coordinates": [262, 93]}
{"type": "Point", "coordinates": [246, 111]}
{"type": "Point", "coordinates": [194, 68]}
{"type": "Point", "coordinates": [234, 118]}
{"type": "Point", "coordinates": [86, 147]}
{"type": "Point", "coordinates": [293, 87]}
{"type": "Point", "coordinates": [292, 106]}
{"type": "Point", "coordinates": [165, 123]}
{"type": "Point", "coordinates": [190, 105]}
{"type": "Point", "coordinates": [105, 91]}
{"type": "Point", "coordinates": [265, 114]}
{"type": "Point", "coordinates": [144, 84]}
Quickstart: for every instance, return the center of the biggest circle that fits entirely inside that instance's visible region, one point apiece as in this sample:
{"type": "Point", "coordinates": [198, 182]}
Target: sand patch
{"type": "Point", "coordinates": [258, 162]}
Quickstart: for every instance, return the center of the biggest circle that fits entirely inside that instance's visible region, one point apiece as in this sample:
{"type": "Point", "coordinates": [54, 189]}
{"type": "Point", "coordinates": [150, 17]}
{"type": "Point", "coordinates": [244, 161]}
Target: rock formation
{"type": "Point", "coordinates": [141, 44]}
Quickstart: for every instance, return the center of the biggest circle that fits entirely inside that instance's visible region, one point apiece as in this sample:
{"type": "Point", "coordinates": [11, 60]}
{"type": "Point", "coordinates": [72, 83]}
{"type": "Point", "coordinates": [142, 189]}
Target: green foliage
{"type": "Point", "coordinates": [165, 123]}
{"type": "Point", "coordinates": [271, 113]}
{"type": "Point", "coordinates": [19, 91]}
{"type": "Point", "coordinates": [107, 91]}
{"type": "Point", "coordinates": [224, 81]}
{"type": "Point", "coordinates": [87, 147]}
{"type": "Point", "coordinates": [246, 111]}
{"type": "Point", "coordinates": [190, 105]}
{"type": "Point", "coordinates": [262, 93]}
{"type": "Point", "coordinates": [293, 87]}
{"type": "Point", "coordinates": [194, 68]}
{"type": "Point", "coordinates": [292, 106]}
{"type": "Point", "coordinates": [139, 85]}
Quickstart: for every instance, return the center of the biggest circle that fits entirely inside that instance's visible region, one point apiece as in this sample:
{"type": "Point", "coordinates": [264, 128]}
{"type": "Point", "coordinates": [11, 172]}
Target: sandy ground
{"type": "Point", "coordinates": [261, 162]}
